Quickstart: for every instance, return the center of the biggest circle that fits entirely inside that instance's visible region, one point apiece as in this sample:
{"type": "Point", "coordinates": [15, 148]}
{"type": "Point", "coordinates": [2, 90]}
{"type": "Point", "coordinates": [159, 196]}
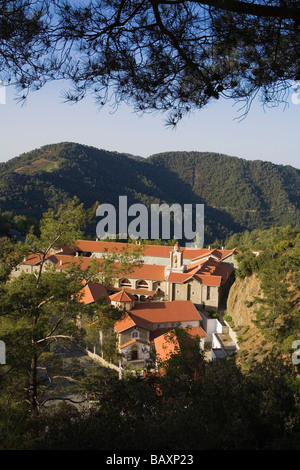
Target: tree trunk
{"type": "Point", "coordinates": [33, 386]}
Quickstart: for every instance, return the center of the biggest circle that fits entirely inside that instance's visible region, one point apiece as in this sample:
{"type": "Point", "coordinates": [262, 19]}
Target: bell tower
{"type": "Point", "coordinates": [176, 259]}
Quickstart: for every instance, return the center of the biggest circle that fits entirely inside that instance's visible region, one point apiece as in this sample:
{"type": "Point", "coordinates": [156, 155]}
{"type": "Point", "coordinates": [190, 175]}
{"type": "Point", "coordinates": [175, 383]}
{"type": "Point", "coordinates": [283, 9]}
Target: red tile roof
{"type": "Point", "coordinates": [121, 297]}
{"type": "Point", "coordinates": [131, 320]}
{"type": "Point", "coordinates": [149, 250]}
{"type": "Point", "coordinates": [146, 314]}
{"type": "Point", "coordinates": [128, 344]}
{"type": "Point", "coordinates": [65, 261]}
{"type": "Point", "coordinates": [197, 331]}
{"type": "Point", "coordinates": [153, 272]}
{"type": "Point", "coordinates": [210, 272]}
{"type": "Point", "coordinates": [213, 281]}
{"type": "Point", "coordinates": [66, 250]}
{"type": "Point", "coordinates": [146, 271]}
{"type": "Point", "coordinates": [159, 332]}
{"type": "Point", "coordinates": [162, 312]}
{"type": "Point", "coordinates": [218, 253]}
{"type": "Point", "coordinates": [214, 267]}
{"type": "Point", "coordinates": [33, 259]}
{"type": "Point", "coordinates": [168, 344]}
{"type": "Point", "coordinates": [184, 276]}
{"type": "Point", "coordinates": [92, 291]}
{"type": "Point", "coordinates": [124, 324]}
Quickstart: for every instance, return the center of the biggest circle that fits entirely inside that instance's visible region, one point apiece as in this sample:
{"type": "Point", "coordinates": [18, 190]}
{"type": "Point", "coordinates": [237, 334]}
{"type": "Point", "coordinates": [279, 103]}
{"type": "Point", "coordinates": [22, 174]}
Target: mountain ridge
{"type": "Point", "coordinates": [238, 194]}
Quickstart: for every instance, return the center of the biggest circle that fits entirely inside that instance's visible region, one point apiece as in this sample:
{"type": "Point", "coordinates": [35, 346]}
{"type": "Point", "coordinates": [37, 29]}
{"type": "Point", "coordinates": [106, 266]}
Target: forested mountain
{"type": "Point", "coordinates": [257, 194]}
{"type": "Point", "coordinates": [237, 194]}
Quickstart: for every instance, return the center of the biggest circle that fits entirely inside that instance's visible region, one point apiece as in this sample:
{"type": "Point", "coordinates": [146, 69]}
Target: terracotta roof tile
{"type": "Point", "coordinates": [128, 344]}
{"type": "Point", "coordinates": [168, 343]}
{"type": "Point", "coordinates": [162, 312]}
{"type": "Point", "coordinates": [210, 272]}
{"type": "Point", "coordinates": [124, 324]}
{"type": "Point", "coordinates": [32, 259]}
{"type": "Point", "coordinates": [121, 297]}
{"type": "Point", "coordinates": [166, 346]}
{"type": "Point", "coordinates": [148, 272]}
{"type": "Point", "coordinates": [65, 261]}
{"type": "Point", "coordinates": [131, 320]}
{"type": "Point", "coordinates": [197, 331]}
{"type": "Point", "coordinates": [93, 291]}
{"type": "Point", "coordinates": [149, 250]}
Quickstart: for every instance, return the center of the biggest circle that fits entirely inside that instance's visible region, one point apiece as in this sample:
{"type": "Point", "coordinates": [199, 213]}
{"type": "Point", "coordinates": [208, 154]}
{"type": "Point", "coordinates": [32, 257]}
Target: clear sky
{"type": "Point", "coordinates": [271, 135]}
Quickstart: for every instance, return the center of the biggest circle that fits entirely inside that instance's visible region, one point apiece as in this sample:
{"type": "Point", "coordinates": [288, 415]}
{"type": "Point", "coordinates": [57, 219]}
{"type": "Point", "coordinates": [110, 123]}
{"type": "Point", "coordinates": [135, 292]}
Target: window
{"type": "Point", "coordinates": [135, 334]}
{"type": "Point", "coordinates": [188, 292]}
{"type": "Point", "coordinates": [125, 283]}
{"type": "Point", "coordinates": [142, 284]}
{"type": "Point", "coordinates": [208, 293]}
{"type": "Point", "coordinates": [133, 355]}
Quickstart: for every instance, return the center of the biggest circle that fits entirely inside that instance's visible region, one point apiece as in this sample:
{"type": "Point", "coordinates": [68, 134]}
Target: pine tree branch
{"type": "Point", "coordinates": [236, 6]}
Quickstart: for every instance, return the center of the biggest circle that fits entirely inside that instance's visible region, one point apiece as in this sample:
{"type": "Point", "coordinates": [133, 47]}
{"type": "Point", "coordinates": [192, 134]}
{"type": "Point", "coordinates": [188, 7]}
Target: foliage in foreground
{"type": "Point", "coordinates": [224, 410]}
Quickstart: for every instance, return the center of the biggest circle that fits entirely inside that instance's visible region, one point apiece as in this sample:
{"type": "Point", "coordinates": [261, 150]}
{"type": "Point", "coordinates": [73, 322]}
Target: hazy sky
{"type": "Point", "coordinates": [271, 134]}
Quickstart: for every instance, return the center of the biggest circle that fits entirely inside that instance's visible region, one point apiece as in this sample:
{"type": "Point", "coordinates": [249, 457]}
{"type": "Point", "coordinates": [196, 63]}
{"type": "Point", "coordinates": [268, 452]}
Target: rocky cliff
{"type": "Point", "coordinates": [241, 308]}
{"type": "Point", "coordinates": [240, 304]}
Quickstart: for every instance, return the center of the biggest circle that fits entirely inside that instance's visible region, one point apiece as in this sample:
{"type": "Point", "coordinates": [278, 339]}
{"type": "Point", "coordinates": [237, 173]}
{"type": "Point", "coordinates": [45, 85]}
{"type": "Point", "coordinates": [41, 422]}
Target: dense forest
{"type": "Point", "coordinates": [237, 194]}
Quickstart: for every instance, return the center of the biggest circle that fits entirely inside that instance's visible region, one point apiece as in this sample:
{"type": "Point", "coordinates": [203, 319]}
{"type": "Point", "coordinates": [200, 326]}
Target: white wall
{"type": "Point", "coordinates": [211, 326]}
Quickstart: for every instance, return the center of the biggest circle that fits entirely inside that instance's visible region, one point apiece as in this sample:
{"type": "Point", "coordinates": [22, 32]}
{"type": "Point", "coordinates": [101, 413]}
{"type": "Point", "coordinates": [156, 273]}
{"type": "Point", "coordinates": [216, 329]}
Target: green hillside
{"type": "Point", "coordinates": [256, 194]}
{"type": "Point", "coordinates": [237, 194]}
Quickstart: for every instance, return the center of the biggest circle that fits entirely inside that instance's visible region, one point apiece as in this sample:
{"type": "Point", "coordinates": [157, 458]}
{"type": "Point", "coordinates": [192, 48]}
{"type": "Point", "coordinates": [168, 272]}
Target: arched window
{"type": "Point", "coordinates": [125, 283]}
{"type": "Point", "coordinates": [142, 284]}
{"type": "Point", "coordinates": [135, 334]}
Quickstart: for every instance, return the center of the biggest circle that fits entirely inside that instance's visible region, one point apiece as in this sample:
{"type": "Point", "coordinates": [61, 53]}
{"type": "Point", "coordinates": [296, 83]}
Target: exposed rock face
{"type": "Point", "coordinates": [240, 305]}
{"type": "Point", "coordinates": [252, 344]}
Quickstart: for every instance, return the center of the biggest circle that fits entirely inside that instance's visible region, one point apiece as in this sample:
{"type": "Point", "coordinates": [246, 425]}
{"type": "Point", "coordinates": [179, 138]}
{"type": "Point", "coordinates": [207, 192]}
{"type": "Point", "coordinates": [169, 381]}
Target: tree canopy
{"type": "Point", "coordinates": [40, 312]}
{"type": "Point", "coordinates": [157, 55]}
